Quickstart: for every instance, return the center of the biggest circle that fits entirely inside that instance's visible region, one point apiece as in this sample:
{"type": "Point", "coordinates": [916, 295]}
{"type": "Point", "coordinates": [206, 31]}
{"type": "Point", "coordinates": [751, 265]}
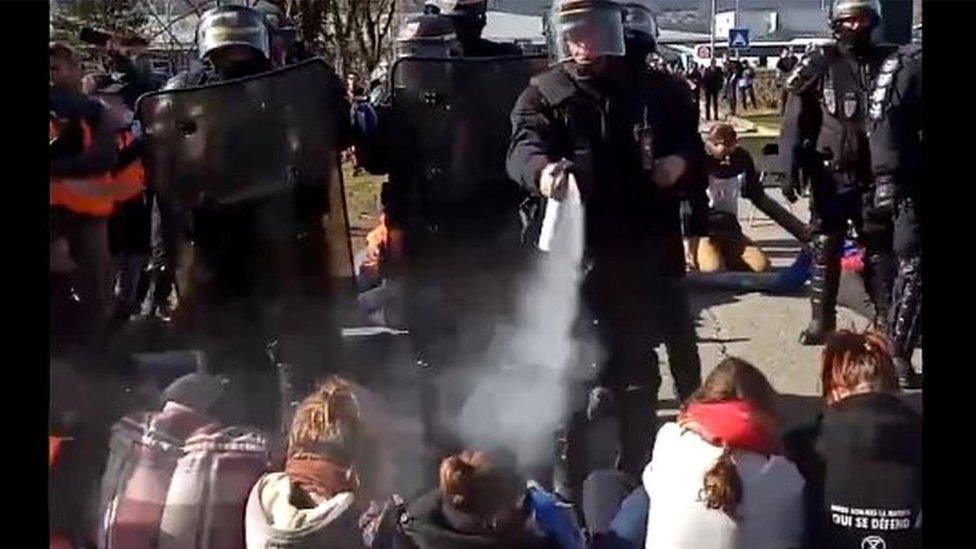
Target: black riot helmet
{"type": "Point", "coordinates": [426, 35]}
{"type": "Point", "coordinates": [640, 27]}
{"type": "Point", "coordinates": [854, 21]}
{"type": "Point", "coordinates": [226, 26]}
{"type": "Point", "coordinates": [283, 34]}
{"type": "Point", "coordinates": [585, 30]}
{"type": "Point", "coordinates": [469, 17]}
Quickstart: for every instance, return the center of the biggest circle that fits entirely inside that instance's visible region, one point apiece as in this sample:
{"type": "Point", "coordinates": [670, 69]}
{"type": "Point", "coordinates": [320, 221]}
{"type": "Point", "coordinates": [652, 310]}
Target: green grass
{"type": "Point", "coordinates": [362, 203]}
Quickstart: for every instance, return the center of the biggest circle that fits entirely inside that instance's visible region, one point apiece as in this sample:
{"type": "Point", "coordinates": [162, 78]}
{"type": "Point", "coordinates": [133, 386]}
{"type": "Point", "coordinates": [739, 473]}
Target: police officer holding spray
{"type": "Point", "coordinates": [583, 121]}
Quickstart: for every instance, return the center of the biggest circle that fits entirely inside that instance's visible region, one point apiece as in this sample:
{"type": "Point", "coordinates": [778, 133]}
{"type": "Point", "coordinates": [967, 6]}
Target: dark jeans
{"type": "Point", "coordinates": [615, 510]}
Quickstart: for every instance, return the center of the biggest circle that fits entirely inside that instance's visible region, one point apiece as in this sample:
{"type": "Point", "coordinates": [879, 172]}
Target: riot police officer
{"type": "Point", "coordinates": [469, 18]}
{"type": "Point", "coordinates": [896, 142]}
{"type": "Point", "coordinates": [585, 117]}
{"type": "Point", "coordinates": [258, 276]}
{"type": "Point", "coordinates": [672, 114]}
{"type": "Point", "coordinates": [823, 133]}
{"type": "Point", "coordinates": [450, 210]}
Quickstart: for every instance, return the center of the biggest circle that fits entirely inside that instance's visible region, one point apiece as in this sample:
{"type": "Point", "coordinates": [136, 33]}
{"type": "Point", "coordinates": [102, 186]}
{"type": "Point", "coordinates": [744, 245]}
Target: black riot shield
{"type": "Point", "coordinates": [452, 123]}
{"type": "Point", "coordinates": [249, 139]}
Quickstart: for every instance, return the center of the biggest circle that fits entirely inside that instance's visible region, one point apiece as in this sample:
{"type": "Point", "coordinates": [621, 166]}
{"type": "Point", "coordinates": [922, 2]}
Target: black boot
{"type": "Point", "coordinates": [824, 281]}
{"type": "Point", "coordinates": [905, 320]}
{"type": "Point", "coordinates": [879, 277]}
{"type": "Point", "coordinates": [638, 422]}
{"type": "Point", "coordinates": [569, 468]}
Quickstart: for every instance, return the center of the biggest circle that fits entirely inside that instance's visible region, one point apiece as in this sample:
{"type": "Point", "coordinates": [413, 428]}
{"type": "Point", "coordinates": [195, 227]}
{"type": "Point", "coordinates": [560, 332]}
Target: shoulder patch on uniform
{"type": "Point", "coordinates": [881, 94]}
{"type": "Point", "coordinates": [809, 69]}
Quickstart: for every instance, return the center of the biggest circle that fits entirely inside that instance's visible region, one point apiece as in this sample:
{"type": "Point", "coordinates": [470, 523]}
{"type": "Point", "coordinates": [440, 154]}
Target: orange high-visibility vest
{"type": "Point", "coordinates": [97, 195]}
{"type": "Point", "coordinates": [91, 195]}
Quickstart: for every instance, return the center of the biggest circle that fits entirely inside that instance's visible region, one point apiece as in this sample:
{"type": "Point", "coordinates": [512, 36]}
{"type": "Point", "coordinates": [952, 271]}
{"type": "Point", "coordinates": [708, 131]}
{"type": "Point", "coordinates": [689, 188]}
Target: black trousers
{"type": "Point", "coordinates": [831, 210]}
{"type": "Point", "coordinates": [249, 281]}
{"type": "Point", "coordinates": [82, 300]}
{"type": "Point", "coordinates": [830, 213]}
{"type": "Point", "coordinates": [711, 105]}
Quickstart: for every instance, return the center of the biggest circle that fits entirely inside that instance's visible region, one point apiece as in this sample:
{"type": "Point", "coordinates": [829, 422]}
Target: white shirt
{"type": "Point", "coordinates": [723, 194]}
{"type": "Point", "coordinates": [771, 511]}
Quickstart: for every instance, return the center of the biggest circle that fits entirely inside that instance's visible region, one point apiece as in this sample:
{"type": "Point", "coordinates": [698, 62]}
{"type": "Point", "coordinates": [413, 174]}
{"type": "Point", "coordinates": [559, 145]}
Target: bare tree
{"type": "Point", "coordinates": [354, 34]}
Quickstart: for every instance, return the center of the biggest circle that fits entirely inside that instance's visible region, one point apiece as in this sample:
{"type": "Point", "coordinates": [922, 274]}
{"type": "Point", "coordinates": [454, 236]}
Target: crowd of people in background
{"type": "Point", "coordinates": [732, 81]}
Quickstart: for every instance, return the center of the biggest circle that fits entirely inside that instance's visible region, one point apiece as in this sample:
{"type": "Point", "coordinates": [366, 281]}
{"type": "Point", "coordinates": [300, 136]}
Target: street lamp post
{"type": "Point", "coordinates": [712, 37]}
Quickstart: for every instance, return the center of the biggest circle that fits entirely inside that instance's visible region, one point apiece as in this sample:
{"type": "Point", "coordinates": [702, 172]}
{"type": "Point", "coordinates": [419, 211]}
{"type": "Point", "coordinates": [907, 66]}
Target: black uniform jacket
{"type": "Point", "coordinates": [593, 125]}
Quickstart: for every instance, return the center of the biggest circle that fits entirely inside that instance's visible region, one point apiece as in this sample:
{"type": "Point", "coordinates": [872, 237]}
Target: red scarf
{"type": "Point", "coordinates": [735, 423]}
{"type": "Point", "coordinates": [319, 476]}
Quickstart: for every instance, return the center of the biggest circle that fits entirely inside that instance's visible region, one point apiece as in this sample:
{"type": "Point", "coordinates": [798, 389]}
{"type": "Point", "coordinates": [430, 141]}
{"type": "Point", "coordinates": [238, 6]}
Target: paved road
{"type": "Point", "coordinates": [763, 329]}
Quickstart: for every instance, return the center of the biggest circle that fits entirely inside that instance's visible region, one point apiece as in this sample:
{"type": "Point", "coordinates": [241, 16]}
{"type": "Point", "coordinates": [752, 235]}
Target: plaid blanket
{"type": "Point", "coordinates": [176, 479]}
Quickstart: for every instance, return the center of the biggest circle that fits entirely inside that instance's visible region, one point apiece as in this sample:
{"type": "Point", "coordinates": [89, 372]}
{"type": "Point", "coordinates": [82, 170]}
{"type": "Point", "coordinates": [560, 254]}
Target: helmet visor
{"type": "Point", "coordinates": [233, 28]}
{"type": "Point", "coordinates": [586, 34]}
{"type": "Point", "coordinates": [638, 20]}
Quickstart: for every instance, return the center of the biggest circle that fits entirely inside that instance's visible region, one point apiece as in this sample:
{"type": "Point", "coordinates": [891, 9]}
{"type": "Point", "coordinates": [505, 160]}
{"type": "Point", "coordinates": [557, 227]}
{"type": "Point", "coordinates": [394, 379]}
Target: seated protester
{"type": "Point", "coordinates": [715, 478]}
{"type": "Point", "coordinates": [862, 457]}
{"type": "Point", "coordinates": [482, 503]}
{"type": "Point", "coordinates": [315, 501]}
{"type": "Point", "coordinates": [731, 174]}
{"type": "Point", "coordinates": [180, 477]}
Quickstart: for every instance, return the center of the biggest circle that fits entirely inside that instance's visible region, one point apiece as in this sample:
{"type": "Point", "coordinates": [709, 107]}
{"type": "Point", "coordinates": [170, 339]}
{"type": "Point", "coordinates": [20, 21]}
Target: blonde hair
{"type": "Point", "coordinates": [327, 423]}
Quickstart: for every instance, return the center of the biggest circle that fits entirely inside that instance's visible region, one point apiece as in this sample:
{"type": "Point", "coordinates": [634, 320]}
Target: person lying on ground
{"type": "Point", "coordinates": [716, 478]}
{"type": "Point", "coordinates": [862, 457]}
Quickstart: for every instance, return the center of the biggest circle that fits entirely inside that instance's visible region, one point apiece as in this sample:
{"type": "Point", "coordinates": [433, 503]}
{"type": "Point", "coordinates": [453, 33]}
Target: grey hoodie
{"type": "Point", "coordinates": [271, 520]}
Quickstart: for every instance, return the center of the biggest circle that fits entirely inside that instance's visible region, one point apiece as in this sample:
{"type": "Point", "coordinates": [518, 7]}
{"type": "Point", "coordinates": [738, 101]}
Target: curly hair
{"type": "Point", "coordinates": [327, 423]}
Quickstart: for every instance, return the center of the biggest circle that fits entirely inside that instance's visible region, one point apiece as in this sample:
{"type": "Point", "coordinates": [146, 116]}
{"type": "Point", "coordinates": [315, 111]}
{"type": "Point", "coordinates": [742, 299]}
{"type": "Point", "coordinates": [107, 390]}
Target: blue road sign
{"type": "Point", "coordinates": [738, 38]}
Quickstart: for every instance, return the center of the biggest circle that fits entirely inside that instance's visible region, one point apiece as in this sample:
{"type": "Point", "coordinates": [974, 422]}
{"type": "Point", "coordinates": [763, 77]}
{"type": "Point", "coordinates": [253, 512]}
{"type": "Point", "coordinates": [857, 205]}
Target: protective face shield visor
{"type": "Point", "coordinates": [233, 27]}
{"type": "Point", "coordinates": [869, 11]}
{"type": "Point", "coordinates": [591, 31]}
{"type": "Point", "coordinates": [842, 9]}
{"type": "Point", "coordinates": [426, 36]}
{"type": "Point", "coordinates": [638, 20]}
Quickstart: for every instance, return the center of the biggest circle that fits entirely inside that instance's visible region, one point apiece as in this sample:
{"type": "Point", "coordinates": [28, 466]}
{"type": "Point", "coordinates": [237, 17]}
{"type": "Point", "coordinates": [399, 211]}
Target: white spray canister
{"type": "Point", "coordinates": [562, 224]}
